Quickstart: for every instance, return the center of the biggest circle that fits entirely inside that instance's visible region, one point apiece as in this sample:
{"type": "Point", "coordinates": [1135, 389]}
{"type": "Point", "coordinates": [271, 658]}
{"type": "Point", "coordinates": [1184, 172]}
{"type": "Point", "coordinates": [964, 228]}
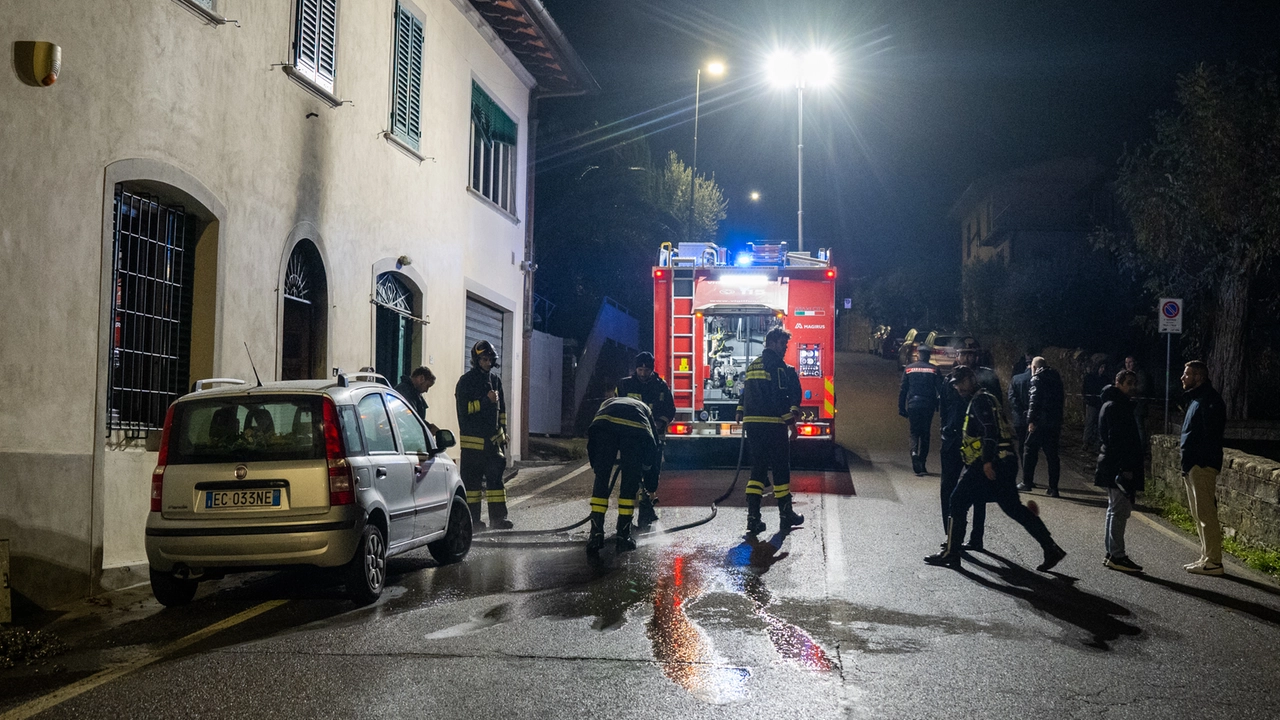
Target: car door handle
{"type": "Point", "coordinates": [381, 472]}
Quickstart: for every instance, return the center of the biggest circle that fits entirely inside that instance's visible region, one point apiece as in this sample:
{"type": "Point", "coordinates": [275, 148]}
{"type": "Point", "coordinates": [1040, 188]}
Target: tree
{"type": "Point", "coordinates": [709, 206]}
{"type": "Point", "coordinates": [1203, 199]}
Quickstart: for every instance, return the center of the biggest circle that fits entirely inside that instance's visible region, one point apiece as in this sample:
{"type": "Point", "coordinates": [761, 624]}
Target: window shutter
{"type": "Point", "coordinates": [327, 42]}
{"type": "Point", "coordinates": [415, 79]}
{"type": "Point", "coordinates": [305, 42]}
{"type": "Point", "coordinates": [406, 104]}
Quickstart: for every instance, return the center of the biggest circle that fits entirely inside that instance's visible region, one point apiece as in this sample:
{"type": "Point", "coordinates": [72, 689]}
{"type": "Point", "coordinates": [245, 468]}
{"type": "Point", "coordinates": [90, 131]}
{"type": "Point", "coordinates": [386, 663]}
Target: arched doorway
{"type": "Point", "coordinates": [397, 336]}
{"type": "Point", "coordinates": [302, 346]}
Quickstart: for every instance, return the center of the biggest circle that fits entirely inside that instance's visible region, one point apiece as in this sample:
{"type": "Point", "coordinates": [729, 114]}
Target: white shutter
{"type": "Point", "coordinates": [315, 45]}
{"type": "Point", "coordinates": [327, 44]}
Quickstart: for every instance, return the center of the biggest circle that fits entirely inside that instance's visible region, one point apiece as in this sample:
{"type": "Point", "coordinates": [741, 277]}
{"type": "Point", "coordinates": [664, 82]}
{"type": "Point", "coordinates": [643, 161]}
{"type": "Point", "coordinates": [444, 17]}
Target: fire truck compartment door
{"type": "Point", "coordinates": [718, 297]}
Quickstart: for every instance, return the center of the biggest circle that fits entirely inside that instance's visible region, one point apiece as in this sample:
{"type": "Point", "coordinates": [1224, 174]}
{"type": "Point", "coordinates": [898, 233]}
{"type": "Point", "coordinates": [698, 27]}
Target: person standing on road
{"type": "Point", "coordinates": [623, 428]}
{"type": "Point", "coordinates": [1120, 465]}
{"type": "Point", "coordinates": [986, 376]}
{"type": "Point", "coordinates": [482, 425]}
{"type": "Point", "coordinates": [991, 470]}
{"type": "Point", "coordinates": [648, 387]}
{"type": "Point", "coordinates": [413, 388]}
{"type": "Point", "coordinates": [1201, 446]}
{"type": "Point", "coordinates": [1091, 390]}
{"type": "Point", "coordinates": [768, 409]}
{"type": "Point", "coordinates": [951, 422]}
{"type": "Point", "coordinates": [1044, 425]}
{"type": "Point", "coordinates": [917, 400]}
{"type": "Point", "coordinates": [1019, 398]}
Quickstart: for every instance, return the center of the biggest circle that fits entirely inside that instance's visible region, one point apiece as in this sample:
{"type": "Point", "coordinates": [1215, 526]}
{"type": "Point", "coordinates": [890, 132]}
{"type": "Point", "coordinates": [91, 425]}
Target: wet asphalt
{"type": "Point", "coordinates": [839, 618]}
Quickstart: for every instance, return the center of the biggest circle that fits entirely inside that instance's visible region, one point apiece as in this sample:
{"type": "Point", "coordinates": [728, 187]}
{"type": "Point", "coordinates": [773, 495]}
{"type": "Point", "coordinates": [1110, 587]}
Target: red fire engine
{"type": "Point", "coordinates": [711, 313]}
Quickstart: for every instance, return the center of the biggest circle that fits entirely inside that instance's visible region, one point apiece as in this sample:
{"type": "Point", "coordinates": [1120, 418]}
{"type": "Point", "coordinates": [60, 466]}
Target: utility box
{"type": "Point", "coordinates": [6, 608]}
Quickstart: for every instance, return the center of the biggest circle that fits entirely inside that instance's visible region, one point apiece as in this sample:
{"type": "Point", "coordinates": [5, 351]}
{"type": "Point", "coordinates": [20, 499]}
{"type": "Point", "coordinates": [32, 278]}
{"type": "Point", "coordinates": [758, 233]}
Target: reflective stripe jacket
{"type": "Point", "coordinates": [987, 436]}
{"type": "Point", "coordinates": [627, 416]}
{"type": "Point", "coordinates": [481, 422]}
{"type": "Point", "coordinates": [771, 391]}
{"type": "Point", "coordinates": [655, 393]}
{"type": "Point", "coordinates": [921, 386]}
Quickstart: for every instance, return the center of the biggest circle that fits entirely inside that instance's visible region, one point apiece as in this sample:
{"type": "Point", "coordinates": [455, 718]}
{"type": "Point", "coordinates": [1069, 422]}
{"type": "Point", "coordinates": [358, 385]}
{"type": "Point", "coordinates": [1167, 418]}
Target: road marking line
{"type": "Point", "coordinates": [1175, 535]}
{"type": "Point", "coordinates": [62, 695]}
{"type": "Point", "coordinates": [834, 544]}
{"type": "Point", "coordinates": [585, 467]}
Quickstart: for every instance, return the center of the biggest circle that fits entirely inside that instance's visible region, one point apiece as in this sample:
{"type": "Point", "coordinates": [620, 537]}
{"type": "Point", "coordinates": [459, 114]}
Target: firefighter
{"type": "Point", "coordinates": [648, 387]}
{"type": "Point", "coordinates": [622, 426]}
{"type": "Point", "coordinates": [768, 410]}
{"type": "Point", "coordinates": [482, 422]}
{"type": "Point", "coordinates": [991, 472]}
{"type": "Point", "coordinates": [917, 400]}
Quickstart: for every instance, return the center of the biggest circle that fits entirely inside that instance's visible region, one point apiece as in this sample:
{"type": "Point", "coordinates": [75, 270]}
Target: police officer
{"type": "Point", "coordinates": [482, 420]}
{"type": "Point", "coordinates": [623, 427]}
{"type": "Point", "coordinates": [917, 399]}
{"type": "Point", "coordinates": [991, 471]}
{"type": "Point", "coordinates": [648, 387]}
{"type": "Point", "coordinates": [768, 409]}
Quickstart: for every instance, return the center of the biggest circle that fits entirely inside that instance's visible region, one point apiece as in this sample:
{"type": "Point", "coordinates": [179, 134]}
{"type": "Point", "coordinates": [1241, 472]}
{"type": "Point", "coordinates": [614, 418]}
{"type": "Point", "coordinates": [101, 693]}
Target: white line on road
{"type": "Point", "coordinates": [62, 695]}
{"type": "Point", "coordinates": [585, 467]}
{"type": "Point", "coordinates": [833, 541]}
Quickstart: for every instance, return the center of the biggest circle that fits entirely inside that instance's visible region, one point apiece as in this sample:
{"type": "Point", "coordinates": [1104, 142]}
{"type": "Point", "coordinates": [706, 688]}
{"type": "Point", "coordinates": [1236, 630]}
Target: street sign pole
{"type": "Point", "coordinates": [1170, 320]}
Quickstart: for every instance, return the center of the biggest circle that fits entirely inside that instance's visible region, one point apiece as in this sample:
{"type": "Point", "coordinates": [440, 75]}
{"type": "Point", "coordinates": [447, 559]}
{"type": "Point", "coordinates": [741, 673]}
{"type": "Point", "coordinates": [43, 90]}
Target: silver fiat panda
{"type": "Point", "coordinates": [331, 474]}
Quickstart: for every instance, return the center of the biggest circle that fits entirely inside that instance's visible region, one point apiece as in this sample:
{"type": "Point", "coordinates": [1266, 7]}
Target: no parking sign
{"type": "Point", "coordinates": [1171, 315]}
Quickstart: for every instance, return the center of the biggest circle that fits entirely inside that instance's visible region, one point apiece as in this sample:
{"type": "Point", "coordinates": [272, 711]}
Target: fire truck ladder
{"type": "Point", "coordinates": [683, 376]}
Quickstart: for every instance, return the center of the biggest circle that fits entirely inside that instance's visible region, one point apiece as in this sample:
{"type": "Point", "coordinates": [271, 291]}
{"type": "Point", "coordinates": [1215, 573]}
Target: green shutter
{"type": "Point", "coordinates": [406, 100]}
{"type": "Point", "coordinates": [492, 124]}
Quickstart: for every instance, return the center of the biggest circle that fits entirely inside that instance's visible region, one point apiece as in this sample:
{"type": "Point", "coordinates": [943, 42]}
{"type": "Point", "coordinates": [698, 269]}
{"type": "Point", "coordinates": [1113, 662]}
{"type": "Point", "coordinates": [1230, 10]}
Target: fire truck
{"type": "Point", "coordinates": [711, 314]}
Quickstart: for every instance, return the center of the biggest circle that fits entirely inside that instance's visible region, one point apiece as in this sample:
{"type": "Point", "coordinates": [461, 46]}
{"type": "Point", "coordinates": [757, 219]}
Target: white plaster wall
{"type": "Point", "coordinates": [149, 79]}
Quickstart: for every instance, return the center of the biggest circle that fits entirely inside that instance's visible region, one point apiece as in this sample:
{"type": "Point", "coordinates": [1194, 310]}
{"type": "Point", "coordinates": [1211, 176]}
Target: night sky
{"type": "Point", "coordinates": [929, 97]}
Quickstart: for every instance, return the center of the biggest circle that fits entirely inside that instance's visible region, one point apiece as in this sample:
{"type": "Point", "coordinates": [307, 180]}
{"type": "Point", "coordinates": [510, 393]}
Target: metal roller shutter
{"type": "Point", "coordinates": [484, 322]}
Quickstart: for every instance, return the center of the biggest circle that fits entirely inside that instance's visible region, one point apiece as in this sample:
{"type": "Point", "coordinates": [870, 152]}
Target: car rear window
{"type": "Point", "coordinates": [244, 429]}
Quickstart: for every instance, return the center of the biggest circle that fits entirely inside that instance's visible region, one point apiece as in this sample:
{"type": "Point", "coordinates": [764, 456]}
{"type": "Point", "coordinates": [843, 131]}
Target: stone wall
{"type": "Point", "coordinates": [1248, 490]}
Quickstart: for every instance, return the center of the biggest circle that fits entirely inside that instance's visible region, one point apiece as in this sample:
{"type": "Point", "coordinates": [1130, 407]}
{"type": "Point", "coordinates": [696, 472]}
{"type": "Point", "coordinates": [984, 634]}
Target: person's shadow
{"type": "Point", "coordinates": [1262, 612]}
{"type": "Point", "coordinates": [1059, 598]}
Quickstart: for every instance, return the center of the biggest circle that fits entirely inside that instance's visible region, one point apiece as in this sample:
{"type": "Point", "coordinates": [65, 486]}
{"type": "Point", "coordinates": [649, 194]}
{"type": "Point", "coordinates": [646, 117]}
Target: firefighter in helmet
{"type": "Point", "coordinates": [482, 420]}
{"type": "Point", "coordinates": [768, 411]}
{"type": "Point", "coordinates": [623, 429]}
{"type": "Point", "coordinates": [648, 387]}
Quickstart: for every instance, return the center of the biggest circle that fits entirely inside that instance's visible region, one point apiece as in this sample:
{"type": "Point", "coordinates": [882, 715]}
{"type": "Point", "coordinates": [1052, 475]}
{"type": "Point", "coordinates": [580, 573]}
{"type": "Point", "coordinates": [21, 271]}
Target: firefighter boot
{"type": "Point", "coordinates": [647, 514]}
{"type": "Point", "coordinates": [623, 541]}
{"type": "Point", "coordinates": [787, 517]}
{"type": "Point", "coordinates": [949, 554]}
{"type": "Point", "coordinates": [595, 540]}
{"type": "Point", "coordinates": [754, 524]}
{"type": "Point", "coordinates": [474, 507]}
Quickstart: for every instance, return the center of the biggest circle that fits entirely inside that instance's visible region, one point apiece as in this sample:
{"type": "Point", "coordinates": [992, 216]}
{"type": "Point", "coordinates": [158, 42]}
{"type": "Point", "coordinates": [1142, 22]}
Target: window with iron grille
{"type": "Point", "coordinates": [493, 150]}
{"type": "Point", "coordinates": [315, 41]}
{"type": "Point", "coordinates": [150, 310]}
{"type": "Point", "coordinates": [406, 78]}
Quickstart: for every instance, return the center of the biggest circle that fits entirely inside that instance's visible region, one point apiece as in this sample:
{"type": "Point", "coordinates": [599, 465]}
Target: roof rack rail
{"type": "Point", "coordinates": [369, 376]}
{"type": "Point", "coordinates": [199, 385]}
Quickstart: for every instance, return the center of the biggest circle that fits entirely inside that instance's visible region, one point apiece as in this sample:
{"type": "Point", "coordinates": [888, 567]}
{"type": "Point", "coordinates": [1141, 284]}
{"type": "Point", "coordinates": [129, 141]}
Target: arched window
{"type": "Point", "coordinates": [303, 340]}
{"type": "Point", "coordinates": [397, 327]}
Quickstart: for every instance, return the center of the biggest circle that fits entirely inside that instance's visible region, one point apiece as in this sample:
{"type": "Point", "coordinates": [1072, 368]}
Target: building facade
{"type": "Point", "coordinates": [214, 188]}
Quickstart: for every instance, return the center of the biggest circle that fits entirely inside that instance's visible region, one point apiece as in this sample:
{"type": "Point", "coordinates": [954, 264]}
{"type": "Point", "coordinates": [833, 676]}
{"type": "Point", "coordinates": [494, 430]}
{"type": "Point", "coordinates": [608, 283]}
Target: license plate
{"type": "Point", "coordinates": [231, 499]}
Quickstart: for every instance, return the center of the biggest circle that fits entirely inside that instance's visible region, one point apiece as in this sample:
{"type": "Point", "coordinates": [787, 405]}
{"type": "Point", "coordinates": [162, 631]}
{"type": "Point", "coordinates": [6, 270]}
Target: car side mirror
{"type": "Point", "coordinates": [445, 439]}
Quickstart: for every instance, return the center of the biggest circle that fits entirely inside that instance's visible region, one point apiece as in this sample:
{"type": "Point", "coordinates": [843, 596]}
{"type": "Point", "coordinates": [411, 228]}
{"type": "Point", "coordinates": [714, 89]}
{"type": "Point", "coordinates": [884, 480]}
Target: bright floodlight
{"type": "Point", "coordinates": [818, 68]}
{"type": "Point", "coordinates": [783, 69]}
{"type": "Point", "coordinates": [755, 195]}
{"type": "Point", "coordinates": [715, 68]}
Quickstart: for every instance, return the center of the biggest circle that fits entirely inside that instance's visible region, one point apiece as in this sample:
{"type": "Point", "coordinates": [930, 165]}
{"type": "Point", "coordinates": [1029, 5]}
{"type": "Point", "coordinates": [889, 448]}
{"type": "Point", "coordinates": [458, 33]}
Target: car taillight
{"type": "Point", "coordinates": [341, 488]}
{"type": "Point", "coordinates": [679, 428]}
{"type": "Point", "coordinates": [157, 475]}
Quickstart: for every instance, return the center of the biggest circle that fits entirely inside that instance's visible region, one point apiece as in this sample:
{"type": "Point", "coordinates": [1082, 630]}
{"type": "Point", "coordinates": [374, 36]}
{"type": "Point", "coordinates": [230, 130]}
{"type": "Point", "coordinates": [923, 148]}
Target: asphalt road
{"type": "Point", "coordinates": [840, 618]}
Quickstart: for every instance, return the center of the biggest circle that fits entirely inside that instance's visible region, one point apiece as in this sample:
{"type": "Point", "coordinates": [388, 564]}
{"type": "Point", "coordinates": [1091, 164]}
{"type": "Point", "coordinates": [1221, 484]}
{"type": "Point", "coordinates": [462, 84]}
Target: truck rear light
{"type": "Point", "coordinates": [659, 273]}
{"type": "Point", "coordinates": [812, 429]}
{"type": "Point", "coordinates": [831, 273]}
{"type": "Point", "coordinates": [157, 475]}
{"type": "Point", "coordinates": [679, 428]}
{"type": "Point", "coordinates": [341, 488]}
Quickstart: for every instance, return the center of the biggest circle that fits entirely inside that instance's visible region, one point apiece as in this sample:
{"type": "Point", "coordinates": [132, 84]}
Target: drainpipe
{"type": "Point", "coordinates": [528, 267]}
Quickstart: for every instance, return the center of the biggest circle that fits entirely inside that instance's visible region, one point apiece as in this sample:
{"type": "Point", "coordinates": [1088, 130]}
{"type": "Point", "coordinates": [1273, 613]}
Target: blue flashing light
{"type": "Point", "coordinates": [743, 259]}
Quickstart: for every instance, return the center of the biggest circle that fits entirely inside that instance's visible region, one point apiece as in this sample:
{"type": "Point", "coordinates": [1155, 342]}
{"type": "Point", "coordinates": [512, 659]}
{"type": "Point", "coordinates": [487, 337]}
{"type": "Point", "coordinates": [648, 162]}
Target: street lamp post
{"type": "Point", "coordinates": [713, 68]}
{"type": "Point", "coordinates": [815, 68]}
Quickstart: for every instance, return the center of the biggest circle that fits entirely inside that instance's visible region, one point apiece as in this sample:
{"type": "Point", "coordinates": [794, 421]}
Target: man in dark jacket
{"type": "Point", "coordinates": [1201, 446]}
{"type": "Point", "coordinates": [482, 425]}
{"type": "Point", "coordinates": [648, 387]}
{"type": "Point", "coordinates": [1091, 390]}
{"type": "Point", "coordinates": [768, 410]}
{"type": "Point", "coordinates": [414, 387]}
{"type": "Point", "coordinates": [623, 429]}
{"type": "Point", "coordinates": [991, 469]}
{"type": "Point", "coordinates": [1120, 465]}
{"type": "Point", "coordinates": [987, 378]}
{"type": "Point", "coordinates": [917, 400]}
{"type": "Point", "coordinates": [1019, 398]}
{"type": "Point", "coordinates": [951, 422]}
{"type": "Point", "coordinates": [1044, 425]}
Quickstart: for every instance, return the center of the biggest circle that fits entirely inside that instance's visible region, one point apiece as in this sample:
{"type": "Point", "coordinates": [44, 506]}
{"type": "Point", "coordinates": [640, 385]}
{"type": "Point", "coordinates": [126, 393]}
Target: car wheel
{"type": "Point", "coordinates": [172, 591]}
{"type": "Point", "coordinates": [456, 542]}
{"type": "Point", "coordinates": [367, 570]}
